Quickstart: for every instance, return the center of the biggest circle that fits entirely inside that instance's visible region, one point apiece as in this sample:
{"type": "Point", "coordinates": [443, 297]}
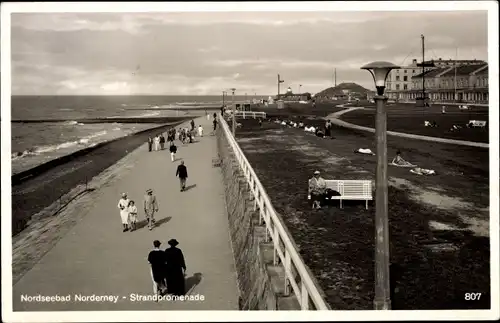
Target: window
{"type": "Point", "coordinates": [388, 86]}
{"type": "Point", "coordinates": [397, 71]}
{"type": "Point", "coordinates": [405, 87]}
{"type": "Point", "coordinates": [405, 78]}
{"type": "Point", "coordinates": [397, 86]}
{"type": "Point", "coordinates": [397, 77]}
{"type": "Point", "coordinates": [413, 71]}
{"type": "Point", "coordinates": [406, 71]}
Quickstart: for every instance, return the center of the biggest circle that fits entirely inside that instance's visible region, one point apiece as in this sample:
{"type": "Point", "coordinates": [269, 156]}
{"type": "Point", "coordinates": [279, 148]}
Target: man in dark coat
{"type": "Point", "coordinates": [162, 142]}
{"type": "Point", "coordinates": [175, 269]}
{"type": "Point", "coordinates": [215, 124]}
{"type": "Point", "coordinates": [157, 260]}
{"type": "Point", "coordinates": [183, 175]}
{"type": "Point", "coordinates": [150, 143]}
{"type": "Point", "coordinates": [192, 124]}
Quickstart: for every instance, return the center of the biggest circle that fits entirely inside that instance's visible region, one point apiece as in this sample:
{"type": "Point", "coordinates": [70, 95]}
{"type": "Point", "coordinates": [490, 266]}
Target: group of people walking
{"type": "Point", "coordinates": [168, 266]}
{"type": "Point", "coordinates": [156, 143]}
{"type": "Point", "coordinates": [128, 211]}
{"type": "Point", "coordinates": [168, 269]}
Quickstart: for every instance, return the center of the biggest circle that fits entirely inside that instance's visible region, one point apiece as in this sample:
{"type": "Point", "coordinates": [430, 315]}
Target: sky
{"type": "Point", "coordinates": [204, 53]}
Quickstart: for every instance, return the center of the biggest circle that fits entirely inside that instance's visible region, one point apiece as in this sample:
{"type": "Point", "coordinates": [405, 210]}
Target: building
{"type": "Point", "coordinates": [451, 62]}
{"type": "Point", "coordinates": [405, 84]}
{"type": "Point", "coordinates": [399, 81]}
{"type": "Point", "coordinates": [466, 83]}
{"type": "Point", "coordinates": [289, 96]}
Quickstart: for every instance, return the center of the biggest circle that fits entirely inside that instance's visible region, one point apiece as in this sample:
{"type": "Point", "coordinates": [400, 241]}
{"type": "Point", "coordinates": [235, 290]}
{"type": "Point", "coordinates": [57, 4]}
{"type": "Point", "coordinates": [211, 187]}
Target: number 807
{"type": "Point", "coordinates": [472, 296]}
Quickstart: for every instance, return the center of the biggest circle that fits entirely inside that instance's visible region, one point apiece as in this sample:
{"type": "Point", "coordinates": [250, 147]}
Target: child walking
{"type": "Point", "coordinates": [132, 214]}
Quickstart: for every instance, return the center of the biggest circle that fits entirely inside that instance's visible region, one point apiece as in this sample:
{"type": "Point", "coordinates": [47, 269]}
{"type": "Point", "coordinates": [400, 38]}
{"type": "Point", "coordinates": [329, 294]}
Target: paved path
{"type": "Point", "coordinates": [97, 258]}
{"type": "Point", "coordinates": [334, 117]}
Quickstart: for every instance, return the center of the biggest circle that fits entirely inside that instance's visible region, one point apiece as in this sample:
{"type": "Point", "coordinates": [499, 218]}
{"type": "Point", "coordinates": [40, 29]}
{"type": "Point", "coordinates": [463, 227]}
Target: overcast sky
{"type": "Point", "coordinates": [202, 53]}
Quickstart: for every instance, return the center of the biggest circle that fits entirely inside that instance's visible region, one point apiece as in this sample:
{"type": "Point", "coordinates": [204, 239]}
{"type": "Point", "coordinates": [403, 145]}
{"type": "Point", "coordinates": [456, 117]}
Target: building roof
{"type": "Point", "coordinates": [458, 61]}
{"type": "Point", "coordinates": [431, 73]}
{"type": "Point", "coordinates": [464, 70]}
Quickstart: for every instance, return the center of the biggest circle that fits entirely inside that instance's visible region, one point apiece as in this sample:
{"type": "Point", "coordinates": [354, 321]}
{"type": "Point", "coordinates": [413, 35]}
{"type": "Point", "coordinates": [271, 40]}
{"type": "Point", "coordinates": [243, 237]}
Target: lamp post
{"type": "Point", "coordinates": [234, 115]}
{"type": "Point", "coordinates": [382, 301]}
{"type": "Point", "coordinates": [300, 86]}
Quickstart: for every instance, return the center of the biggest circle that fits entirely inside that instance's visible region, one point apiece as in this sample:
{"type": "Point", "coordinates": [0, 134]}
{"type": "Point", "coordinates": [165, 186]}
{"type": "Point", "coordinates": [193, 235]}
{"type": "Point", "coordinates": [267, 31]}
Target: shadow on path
{"type": "Point", "coordinates": [143, 223]}
{"type": "Point", "coordinates": [189, 187]}
{"type": "Point", "coordinates": [192, 282]}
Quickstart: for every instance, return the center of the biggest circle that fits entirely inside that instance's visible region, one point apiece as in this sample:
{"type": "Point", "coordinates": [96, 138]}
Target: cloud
{"type": "Point", "coordinates": [207, 52]}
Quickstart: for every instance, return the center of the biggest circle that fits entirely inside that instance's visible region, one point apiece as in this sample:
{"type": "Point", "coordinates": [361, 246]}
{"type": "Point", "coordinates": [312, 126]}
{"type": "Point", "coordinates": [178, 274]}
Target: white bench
{"type": "Point", "coordinates": [477, 123]}
{"type": "Point", "coordinates": [350, 190]}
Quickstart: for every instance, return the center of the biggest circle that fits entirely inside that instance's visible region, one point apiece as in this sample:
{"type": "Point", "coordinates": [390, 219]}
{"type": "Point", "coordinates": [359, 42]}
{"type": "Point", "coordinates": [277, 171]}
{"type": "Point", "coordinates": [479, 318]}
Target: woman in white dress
{"type": "Point", "coordinates": [200, 131]}
{"type": "Point", "coordinates": [157, 143]}
{"type": "Point", "coordinates": [123, 206]}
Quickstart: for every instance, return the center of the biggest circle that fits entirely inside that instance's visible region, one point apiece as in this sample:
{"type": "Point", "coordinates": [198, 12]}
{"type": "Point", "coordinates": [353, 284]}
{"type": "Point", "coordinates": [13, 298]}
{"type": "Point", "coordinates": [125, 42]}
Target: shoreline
{"type": "Point", "coordinates": [29, 193]}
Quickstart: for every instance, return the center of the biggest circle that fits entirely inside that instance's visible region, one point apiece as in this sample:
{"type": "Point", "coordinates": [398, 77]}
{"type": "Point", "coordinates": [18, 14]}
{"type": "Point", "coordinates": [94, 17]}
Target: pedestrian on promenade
{"type": "Point", "coordinates": [157, 143]}
{"type": "Point", "coordinates": [150, 143]}
{"type": "Point", "coordinates": [192, 124]}
{"type": "Point", "coordinates": [208, 116]}
{"type": "Point", "coordinates": [157, 259]}
{"type": "Point", "coordinates": [150, 207]}
{"type": "Point", "coordinates": [176, 269]}
{"type": "Point", "coordinates": [173, 151]}
{"type": "Point", "coordinates": [132, 215]}
{"type": "Point", "coordinates": [123, 206]}
{"type": "Point", "coordinates": [183, 175]}
{"type": "Point", "coordinates": [215, 115]}
{"type": "Point", "coordinates": [162, 142]}
{"type": "Point", "coordinates": [190, 136]}
{"type": "Point", "coordinates": [200, 131]}
{"type": "Point", "coordinates": [215, 124]}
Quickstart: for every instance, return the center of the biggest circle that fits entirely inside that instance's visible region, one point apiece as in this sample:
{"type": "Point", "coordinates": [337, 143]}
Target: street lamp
{"type": "Point", "coordinates": [382, 301]}
{"type": "Point", "coordinates": [234, 115]}
{"type": "Point", "coordinates": [300, 86]}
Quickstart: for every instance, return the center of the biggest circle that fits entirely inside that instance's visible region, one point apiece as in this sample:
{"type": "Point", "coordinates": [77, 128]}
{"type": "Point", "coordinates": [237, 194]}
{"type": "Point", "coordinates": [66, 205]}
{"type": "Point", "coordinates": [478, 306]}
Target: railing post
{"type": "Point", "coordinates": [304, 297]}
{"type": "Point", "coordinates": [276, 243]}
{"type": "Point", "coordinates": [288, 269]}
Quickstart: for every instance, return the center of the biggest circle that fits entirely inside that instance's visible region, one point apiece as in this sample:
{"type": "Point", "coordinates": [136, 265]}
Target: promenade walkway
{"type": "Point", "coordinates": [97, 258]}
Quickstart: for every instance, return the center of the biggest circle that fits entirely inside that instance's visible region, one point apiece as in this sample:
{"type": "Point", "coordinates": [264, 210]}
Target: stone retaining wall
{"type": "Point", "coordinates": [260, 283]}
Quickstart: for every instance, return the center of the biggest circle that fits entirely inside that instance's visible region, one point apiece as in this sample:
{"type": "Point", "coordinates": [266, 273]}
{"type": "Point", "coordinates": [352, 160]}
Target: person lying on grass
{"type": "Point", "coordinates": [364, 151]}
{"type": "Point", "coordinates": [320, 133]}
{"type": "Point", "coordinates": [317, 190]}
{"type": "Point", "coordinates": [399, 161]}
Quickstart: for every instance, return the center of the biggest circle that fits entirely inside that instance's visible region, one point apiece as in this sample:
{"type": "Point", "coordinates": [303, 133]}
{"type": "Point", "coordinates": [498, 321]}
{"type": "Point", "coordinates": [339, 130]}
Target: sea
{"type": "Point", "coordinates": [37, 143]}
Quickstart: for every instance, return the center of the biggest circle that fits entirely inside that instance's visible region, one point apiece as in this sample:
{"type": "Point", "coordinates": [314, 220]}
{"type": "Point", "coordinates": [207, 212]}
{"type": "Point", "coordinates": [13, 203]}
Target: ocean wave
{"type": "Point", "coordinates": [71, 123]}
{"type": "Point", "coordinates": [66, 109]}
{"type": "Point", "coordinates": [117, 129]}
{"type": "Point", "coordinates": [37, 150]}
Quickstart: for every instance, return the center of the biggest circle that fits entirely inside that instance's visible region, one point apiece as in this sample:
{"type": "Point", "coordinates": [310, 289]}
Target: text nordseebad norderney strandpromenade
{"type": "Point", "coordinates": [108, 298]}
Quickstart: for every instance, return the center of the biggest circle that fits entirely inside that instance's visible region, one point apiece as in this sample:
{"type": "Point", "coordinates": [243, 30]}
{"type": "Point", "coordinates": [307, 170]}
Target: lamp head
{"type": "Point", "coordinates": [379, 70]}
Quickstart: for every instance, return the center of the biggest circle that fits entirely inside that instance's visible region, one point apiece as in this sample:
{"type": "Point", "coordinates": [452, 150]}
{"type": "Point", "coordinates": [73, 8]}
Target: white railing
{"type": "Point", "coordinates": [250, 114]}
{"type": "Point", "coordinates": [304, 289]}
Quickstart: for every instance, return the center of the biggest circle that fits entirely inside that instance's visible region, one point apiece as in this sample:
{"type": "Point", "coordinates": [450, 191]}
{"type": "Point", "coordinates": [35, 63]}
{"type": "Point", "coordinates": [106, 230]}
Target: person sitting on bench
{"type": "Point", "coordinates": [317, 190]}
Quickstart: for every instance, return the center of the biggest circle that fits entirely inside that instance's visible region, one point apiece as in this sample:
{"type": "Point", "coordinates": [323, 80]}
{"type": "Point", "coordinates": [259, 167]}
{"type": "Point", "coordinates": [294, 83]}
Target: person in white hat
{"type": "Point", "coordinates": [150, 207]}
{"type": "Point", "coordinates": [317, 189]}
{"type": "Point", "coordinates": [123, 206]}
